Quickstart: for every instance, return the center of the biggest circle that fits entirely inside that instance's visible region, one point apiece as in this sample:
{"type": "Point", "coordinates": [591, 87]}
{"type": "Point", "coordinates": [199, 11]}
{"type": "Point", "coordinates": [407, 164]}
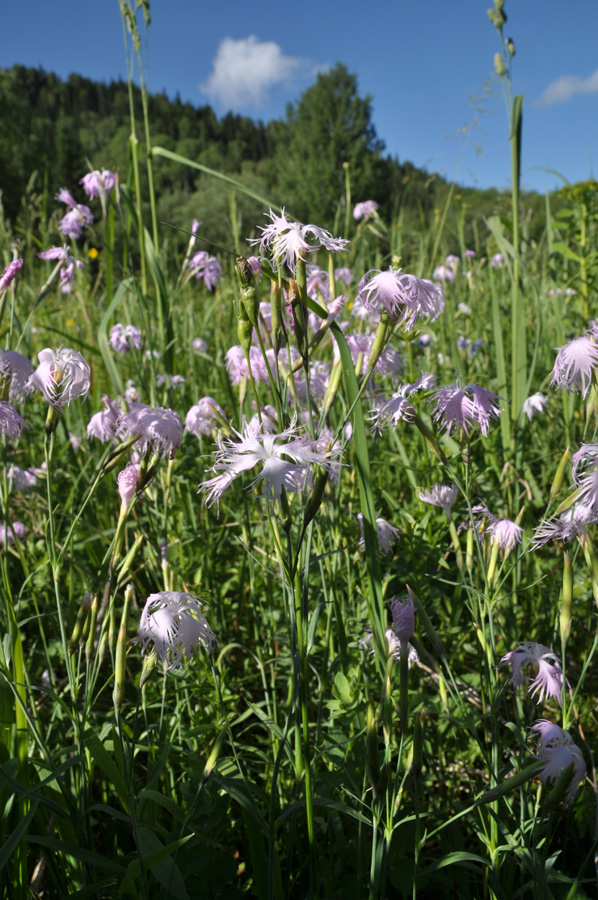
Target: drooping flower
{"type": "Point", "coordinates": [453, 261]}
{"type": "Point", "coordinates": [469, 254]}
{"type": "Point", "coordinates": [343, 274]}
{"type": "Point", "coordinates": [79, 217]}
{"type": "Point", "coordinates": [442, 495]}
{"type": "Point", "coordinates": [97, 184]}
{"type": "Point", "coordinates": [504, 532]}
{"type": "Point", "coordinates": [203, 417]}
{"type": "Point", "coordinates": [67, 272]}
{"type": "Point", "coordinates": [403, 617]}
{"type": "Point", "coordinates": [15, 372]}
{"type": "Point", "coordinates": [62, 376]}
{"type": "Point", "coordinates": [204, 266]}
{"type": "Point", "coordinates": [8, 533]}
{"type": "Point", "coordinates": [365, 209]}
{"type": "Point", "coordinates": [557, 750]}
{"type": "Point", "coordinates": [11, 423]}
{"type": "Point", "coordinates": [10, 273]}
{"type": "Point", "coordinates": [22, 479]}
{"type": "Point", "coordinates": [536, 403]}
{"type": "Point", "coordinates": [125, 337]}
{"type": "Point", "coordinates": [459, 407]}
{"type": "Point", "coordinates": [575, 365]}
{"type": "Point", "coordinates": [571, 524]}
{"type": "Point", "coordinates": [543, 673]}
{"type": "Point", "coordinates": [284, 458]}
{"type": "Point", "coordinates": [443, 273]}
{"type": "Point", "coordinates": [386, 533]}
{"type": "Point", "coordinates": [405, 297]}
{"type": "Point", "coordinates": [256, 266]}
{"type": "Point", "coordinates": [289, 241]}
{"type": "Point", "coordinates": [157, 429]}
{"type": "Point", "coordinates": [102, 425]}
{"type": "Point", "coordinates": [172, 621]}
{"type": "Point", "coordinates": [236, 364]}
{"type": "Point", "coordinates": [127, 481]}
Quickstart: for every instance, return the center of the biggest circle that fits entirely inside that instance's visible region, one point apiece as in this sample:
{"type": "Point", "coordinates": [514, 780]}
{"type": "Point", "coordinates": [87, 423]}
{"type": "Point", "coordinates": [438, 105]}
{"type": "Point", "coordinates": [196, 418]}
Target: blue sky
{"type": "Point", "coordinates": [427, 65]}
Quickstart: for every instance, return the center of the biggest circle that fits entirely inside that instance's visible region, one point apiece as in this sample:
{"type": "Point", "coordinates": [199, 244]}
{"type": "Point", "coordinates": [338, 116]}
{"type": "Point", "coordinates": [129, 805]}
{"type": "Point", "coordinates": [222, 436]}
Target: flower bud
{"type": "Point", "coordinates": [567, 599]}
{"type": "Point", "coordinates": [79, 622]}
{"type": "Point", "coordinates": [213, 757]}
{"type": "Point", "coordinates": [559, 476]}
{"type": "Point", "coordinates": [93, 621]}
{"type": "Point", "coordinates": [510, 47]}
{"type": "Point", "coordinates": [120, 662]}
{"type": "Point", "coordinates": [499, 65]}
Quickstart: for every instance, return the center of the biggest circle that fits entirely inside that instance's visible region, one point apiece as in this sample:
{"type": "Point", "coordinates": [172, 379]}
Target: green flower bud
{"type": "Point", "coordinates": [499, 65]}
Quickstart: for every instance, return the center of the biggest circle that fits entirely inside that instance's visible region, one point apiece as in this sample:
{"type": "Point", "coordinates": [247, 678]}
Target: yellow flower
{"type": "Point", "coordinates": [92, 253]}
{"type": "Point", "coordinates": [70, 323]}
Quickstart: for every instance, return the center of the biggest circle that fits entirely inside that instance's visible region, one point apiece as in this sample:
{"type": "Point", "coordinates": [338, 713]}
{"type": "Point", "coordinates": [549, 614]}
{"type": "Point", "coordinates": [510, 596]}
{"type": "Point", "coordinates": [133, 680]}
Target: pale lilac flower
{"type": "Point", "coordinates": [172, 381]}
{"type": "Point", "coordinates": [460, 406]}
{"type": "Point", "coordinates": [497, 260]}
{"type": "Point", "coordinates": [543, 673]}
{"type": "Point", "coordinates": [15, 372]}
{"type": "Point", "coordinates": [127, 481]}
{"type": "Point", "coordinates": [125, 337]}
{"type": "Point", "coordinates": [289, 241]}
{"type": "Point", "coordinates": [157, 429]}
{"type": "Point", "coordinates": [10, 273]}
{"type": "Point", "coordinates": [386, 533]}
{"type": "Point", "coordinates": [102, 425]}
{"type": "Point", "coordinates": [256, 266]}
{"type": "Point", "coordinates": [469, 254]}
{"type": "Point", "coordinates": [97, 184]}
{"type": "Point", "coordinates": [62, 376]}
{"type": "Point", "coordinates": [571, 524]}
{"type": "Point", "coordinates": [470, 347]}
{"type": "Point", "coordinates": [536, 403]}
{"type": "Point", "coordinates": [403, 617]}
{"type": "Point", "coordinates": [424, 339]}
{"type": "Point", "coordinates": [443, 273]}
{"type": "Point", "coordinates": [199, 345]}
{"type": "Point", "coordinates": [79, 217]}
{"type": "Point", "coordinates": [75, 440]}
{"type": "Point", "coordinates": [405, 297]}
{"type": "Point", "coordinates": [393, 644]}
{"type": "Point", "coordinates": [236, 364]}
{"type": "Point", "coordinates": [23, 479]}
{"type": "Point", "coordinates": [11, 423]}
{"type": "Point", "coordinates": [394, 410]}
{"type": "Point", "coordinates": [152, 354]}
{"type": "Point", "coordinates": [269, 421]}
{"type": "Point", "coordinates": [204, 266]}
{"type": "Point", "coordinates": [442, 495]}
{"type": "Point", "coordinates": [204, 417]}
{"type": "Point", "coordinates": [575, 365]}
{"type": "Point", "coordinates": [173, 622]}
{"type": "Point", "coordinates": [343, 274]}
{"type": "Point", "coordinates": [453, 261]}
{"type": "Point", "coordinates": [558, 752]}
{"type": "Point", "coordinates": [464, 309]}
{"type": "Point", "coordinates": [131, 393]}
{"type": "Point", "coordinates": [319, 378]}
{"type": "Point", "coordinates": [284, 458]}
{"type": "Point", "coordinates": [317, 283]}
{"type": "Point", "coordinates": [365, 210]}
{"type": "Point", "coordinates": [8, 534]}
{"type": "Point", "coordinates": [585, 475]}
{"type": "Point", "coordinates": [505, 533]}
{"type": "Point", "coordinates": [67, 272]}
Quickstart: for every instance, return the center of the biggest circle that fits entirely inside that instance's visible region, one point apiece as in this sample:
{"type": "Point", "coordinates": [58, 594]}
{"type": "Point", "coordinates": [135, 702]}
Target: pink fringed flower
{"type": "Point", "coordinates": [11, 423]}
{"type": "Point", "coordinates": [575, 365]}
{"type": "Point", "coordinates": [442, 495]}
{"type": "Point", "coordinates": [204, 266]}
{"type": "Point", "coordinates": [386, 533]}
{"type": "Point", "coordinates": [405, 297]}
{"type": "Point", "coordinates": [172, 621]}
{"type": "Point", "coordinates": [204, 417]}
{"type": "Point", "coordinates": [79, 217]}
{"type": "Point", "coordinates": [557, 750]}
{"type": "Point", "coordinates": [289, 241]}
{"type": "Point", "coordinates": [98, 184]}
{"type": "Point", "coordinates": [127, 481]}
{"type": "Point", "coordinates": [159, 430]}
{"type": "Point", "coordinates": [102, 425]}
{"type": "Point", "coordinates": [62, 376]}
{"type": "Point", "coordinates": [458, 407]}
{"type": "Point", "coordinates": [10, 273]}
{"type": "Point", "coordinates": [365, 210]}
{"type": "Point", "coordinates": [67, 272]}
{"type": "Point", "coordinates": [543, 671]}
{"type": "Point", "coordinates": [15, 372]}
{"type": "Point", "coordinates": [13, 530]}
{"type": "Point", "coordinates": [125, 337]}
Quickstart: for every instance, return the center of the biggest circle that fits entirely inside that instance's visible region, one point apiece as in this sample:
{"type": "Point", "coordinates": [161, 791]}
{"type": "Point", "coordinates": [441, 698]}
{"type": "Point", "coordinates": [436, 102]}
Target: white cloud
{"type": "Point", "coordinates": [245, 71]}
{"type": "Point", "coordinates": [568, 86]}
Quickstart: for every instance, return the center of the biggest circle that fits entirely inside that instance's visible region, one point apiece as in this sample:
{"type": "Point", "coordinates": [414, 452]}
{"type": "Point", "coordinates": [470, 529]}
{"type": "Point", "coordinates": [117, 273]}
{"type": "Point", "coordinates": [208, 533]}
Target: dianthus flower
{"type": "Point", "coordinates": [8, 534]}
{"type": "Point", "coordinates": [173, 622]}
{"type": "Point", "coordinates": [15, 372]}
{"type": "Point", "coordinates": [11, 423]}
{"type": "Point", "coordinates": [443, 273]}
{"type": "Point", "coordinates": [505, 533]}
{"type": "Point", "coordinates": [157, 429]}
{"type": "Point", "coordinates": [98, 184]}
{"type": "Point", "coordinates": [461, 406]}
{"type": "Point", "coordinates": [405, 297]}
{"type": "Point", "coordinates": [289, 241]}
{"type": "Point", "coordinates": [204, 266]}
{"type": "Point", "coordinates": [102, 425]}
{"type": "Point", "coordinates": [571, 524]}
{"type": "Point", "coordinates": [171, 381]}
{"type": "Point", "coordinates": [453, 261]}
{"type": "Point", "coordinates": [398, 637]}
{"type": "Point", "coordinates": [125, 337]}
{"type": "Point", "coordinates": [536, 403]}
{"type": "Point", "coordinates": [585, 475]}
{"type": "Point", "coordinates": [442, 495]}
{"type": "Point", "coordinates": [284, 458]}
{"type": "Point", "coordinates": [236, 364]}
{"type": "Point", "coordinates": [343, 274]}
{"type": "Point", "coordinates": [365, 210]}
{"type": "Point", "coordinates": [541, 663]}
{"type": "Point", "coordinates": [10, 273]}
{"type": "Point", "coordinates": [62, 376]}
{"type": "Point", "coordinates": [67, 272]}
{"type": "Point", "coordinates": [317, 283]}
{"type": "Point", "coordinates": [398, 407]}
{"type": "Point", "coordinates": [127, 481]}
{"type": "Point", "coordinates": [203, 418]}
{"type": "Point", "coordinates": [23, 479]}
{"type": "Point", "coordinates": [469, 254]}
{"type": "Point", "coordinates": [386, 533]}
{"type": "Point", "coordinates": [79, 217]}
{"type": "Point", "coordinates": [575, 365]}
{"type": "Point", "coordinates": [557, 751]}
{"type": "Point", "coordinates": [199, 345]}
{"type": "Point", "coordinates": [497, 260]}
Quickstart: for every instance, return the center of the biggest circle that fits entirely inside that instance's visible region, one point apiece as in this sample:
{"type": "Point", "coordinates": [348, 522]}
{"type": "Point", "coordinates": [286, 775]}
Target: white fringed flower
{"type": "Point", "coordinates": [173, 622]}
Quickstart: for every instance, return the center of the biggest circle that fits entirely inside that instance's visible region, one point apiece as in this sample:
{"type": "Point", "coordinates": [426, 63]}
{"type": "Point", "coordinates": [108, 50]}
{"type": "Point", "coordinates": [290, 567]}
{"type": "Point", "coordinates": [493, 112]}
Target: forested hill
{"type": "Point", "coordinates": [60, 128]}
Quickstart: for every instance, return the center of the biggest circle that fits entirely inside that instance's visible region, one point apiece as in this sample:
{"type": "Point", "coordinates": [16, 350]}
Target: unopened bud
{"type": "Point", "coordinates": [510, 47]}
{"type": "Point", "coordinates": [559, 476]}
{"type": "Point", "coordinates": [120, 660]}
{"type": "Point", "coordinates": [567, 600]}
{"type": "Point", "coordinates": [93, 621]}
{"type": "Point", "coordinates": [80, 622]}
{"type": "Point", "coordinates": [213, 757]}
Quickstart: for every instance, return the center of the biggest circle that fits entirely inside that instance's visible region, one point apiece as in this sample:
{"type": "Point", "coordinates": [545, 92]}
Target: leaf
{"type": "Point", "coordinates": [12, 842]}
{"type": "Point", "coordinates": [459, 857]}
{"type": "Point", "coordinates": [564, 250]}
{"type": "Point", "coordinates": [155, 856]}
{"type": "Point", "coordinates": [107, 765]}
{"type": "Point", "coordinates": [103, 336]}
